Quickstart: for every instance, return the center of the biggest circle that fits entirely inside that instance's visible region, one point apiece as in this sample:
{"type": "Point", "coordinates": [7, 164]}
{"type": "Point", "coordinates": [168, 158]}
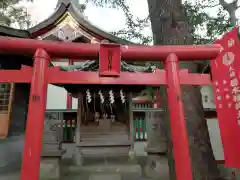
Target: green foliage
{"type": "Point", "coordinates": [12, 15]}
{"type": "Point", "coordinates": [206, 27]}
{"type": "Point", "coordinates": [150, 92]}
{"type": "Point", "coordinates": [134, 25]}
{"type": "Point", "coordinates": [208, 19]}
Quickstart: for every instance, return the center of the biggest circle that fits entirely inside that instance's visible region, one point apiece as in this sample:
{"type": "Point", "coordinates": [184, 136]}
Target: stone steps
{"type": "Point", "coordinates": [105, 176]}
{"type": "Point", "coordinates": [110, 168]}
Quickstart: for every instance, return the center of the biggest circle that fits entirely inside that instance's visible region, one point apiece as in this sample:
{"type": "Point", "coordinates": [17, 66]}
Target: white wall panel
{"type": "Point", "coordinates": [74, 103]}
{"type": "Point", "coordinates": [214, 133]}
{"type": "Point", "coordinates": [57, 96]}
{"type": "Point", "coordinates": [208, 97]}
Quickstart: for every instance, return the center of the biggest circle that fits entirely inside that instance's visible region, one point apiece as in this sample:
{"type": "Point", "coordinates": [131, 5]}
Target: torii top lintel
{"type": "Point", "coordinates": [83, 51]}
{"type": "Point", "coordinates": [90, 51]}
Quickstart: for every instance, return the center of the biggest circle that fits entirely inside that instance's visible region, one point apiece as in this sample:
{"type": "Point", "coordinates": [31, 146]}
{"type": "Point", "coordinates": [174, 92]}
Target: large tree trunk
{"type": "Point", "coordinates": [169, 26]}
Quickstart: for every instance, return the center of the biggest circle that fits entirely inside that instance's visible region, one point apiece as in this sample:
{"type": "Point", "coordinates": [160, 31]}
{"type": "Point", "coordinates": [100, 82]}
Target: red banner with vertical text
{"type": "Point", "coordinates": [226, 84]}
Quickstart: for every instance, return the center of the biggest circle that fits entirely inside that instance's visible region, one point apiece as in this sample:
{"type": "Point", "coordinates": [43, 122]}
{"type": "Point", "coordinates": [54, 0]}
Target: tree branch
{"type": "Point", "coordinates": [210, 6]}
{"type": "Point", "coordinates": [230, 8]}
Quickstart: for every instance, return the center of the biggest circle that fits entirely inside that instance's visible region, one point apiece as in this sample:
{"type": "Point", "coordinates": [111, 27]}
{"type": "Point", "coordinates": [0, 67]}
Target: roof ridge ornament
{"type": "Point", "coordinates": [81, 7]}
{"type": "Point", "coordinates": [66, 2]}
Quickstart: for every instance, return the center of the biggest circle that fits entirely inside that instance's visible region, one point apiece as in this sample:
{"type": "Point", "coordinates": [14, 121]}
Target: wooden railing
{"type": "Point", "coordinates": [139, 117]}
{"type": "Point", "coordinates": [68, 132]}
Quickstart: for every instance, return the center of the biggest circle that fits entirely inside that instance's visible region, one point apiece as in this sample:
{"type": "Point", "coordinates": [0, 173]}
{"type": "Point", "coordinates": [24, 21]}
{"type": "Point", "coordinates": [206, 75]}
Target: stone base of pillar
{"type": "Point", "coordinates": [132, 154]}
{"type": "Point", "coordinates": [157, 167]}
{"type": "Point", "coordinates": [78, 157]}
{"type": "Point", "coordinates": [157, 146]}
{"type": "Point", "coordinates": [50, 168]}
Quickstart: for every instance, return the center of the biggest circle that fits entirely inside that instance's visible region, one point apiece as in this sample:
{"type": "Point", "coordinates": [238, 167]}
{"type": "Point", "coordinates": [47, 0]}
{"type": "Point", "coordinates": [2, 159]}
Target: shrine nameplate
{"type": "Point", "coordinates": [226, 83]}
{"type": "Point", "coordinates": [110, 60]}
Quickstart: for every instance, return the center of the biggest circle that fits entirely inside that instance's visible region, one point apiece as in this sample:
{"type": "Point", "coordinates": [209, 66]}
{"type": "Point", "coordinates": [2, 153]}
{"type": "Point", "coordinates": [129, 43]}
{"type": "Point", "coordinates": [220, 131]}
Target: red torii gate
{"type": "Point", "coordinates": [109, 56]}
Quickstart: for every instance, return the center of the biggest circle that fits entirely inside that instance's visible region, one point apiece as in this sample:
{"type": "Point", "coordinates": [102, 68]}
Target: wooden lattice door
{"type": "Point", "coordinates": [6, 97]}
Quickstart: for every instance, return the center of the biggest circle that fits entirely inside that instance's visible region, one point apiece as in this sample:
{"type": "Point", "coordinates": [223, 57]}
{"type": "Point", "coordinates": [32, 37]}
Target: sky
{"type": "Point", "coordinates": [105, 18]}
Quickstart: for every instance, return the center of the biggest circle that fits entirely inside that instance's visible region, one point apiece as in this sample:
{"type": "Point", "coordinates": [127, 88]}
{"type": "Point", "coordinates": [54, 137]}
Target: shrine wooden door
{"type": "Point", "coordinates": [6, 98]}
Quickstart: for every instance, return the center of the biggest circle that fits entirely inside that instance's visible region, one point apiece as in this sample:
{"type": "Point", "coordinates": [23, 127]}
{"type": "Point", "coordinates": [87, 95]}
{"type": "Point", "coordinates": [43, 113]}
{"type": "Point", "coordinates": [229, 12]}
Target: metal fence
{"type": "Point", "coordinates": [66, 128]}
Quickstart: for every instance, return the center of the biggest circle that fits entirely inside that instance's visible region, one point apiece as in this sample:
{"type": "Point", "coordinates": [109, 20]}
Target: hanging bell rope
{"type": "Point", "coordinates": [111, 99]}
{"type": "Point", "coordinates": [101, 100]}
{"type": "Point", "coordinates": [94, 96]}
{"type": "Point", "coordinates": [88, 96]}
{"type": "Point", "coordinates": [101, 96]}
{"type": "Point", "coordinates": [122, 96]}
{"type": "Point", "coordinates": [113, 118]}
{"type": "Point", "coordinates": [88, 100]}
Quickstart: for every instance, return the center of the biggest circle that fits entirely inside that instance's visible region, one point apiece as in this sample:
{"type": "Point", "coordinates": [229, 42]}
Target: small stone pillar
{"type": "Point", "coordinates": [51, 151]}
{"type": "Point", "coordinates": [132, 152]}
{"type": "Point", "coordinates": [156, 141]}
{"type": "Point", "coordinates": [78, 152]}
{"type": "Point", "coordinates": [157, 163]}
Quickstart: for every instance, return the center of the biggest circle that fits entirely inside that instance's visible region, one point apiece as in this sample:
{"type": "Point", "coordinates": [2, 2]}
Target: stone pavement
{"type": "Point", "coordinates": [10, 157]}
{"type": "Point", "coordinates": [105, 177]}
{"type": "Point", "coordinates": [11, 153]}
{"type": "Point", "coordinates": [93, 176]}
{"type": "Point", "coordinates": [10, 176]}
{"type": "Point", "coordinates": [10, 162]}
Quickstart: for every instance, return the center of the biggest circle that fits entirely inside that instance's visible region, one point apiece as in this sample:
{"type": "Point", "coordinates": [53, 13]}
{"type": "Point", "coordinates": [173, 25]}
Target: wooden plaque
{"type": "Point", "coordinates": [110, 60]}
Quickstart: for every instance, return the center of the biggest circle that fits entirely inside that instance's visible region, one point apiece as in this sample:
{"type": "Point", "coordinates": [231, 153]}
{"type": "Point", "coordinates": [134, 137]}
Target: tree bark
{"type": "Point", "coordinates": [170, 28]}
